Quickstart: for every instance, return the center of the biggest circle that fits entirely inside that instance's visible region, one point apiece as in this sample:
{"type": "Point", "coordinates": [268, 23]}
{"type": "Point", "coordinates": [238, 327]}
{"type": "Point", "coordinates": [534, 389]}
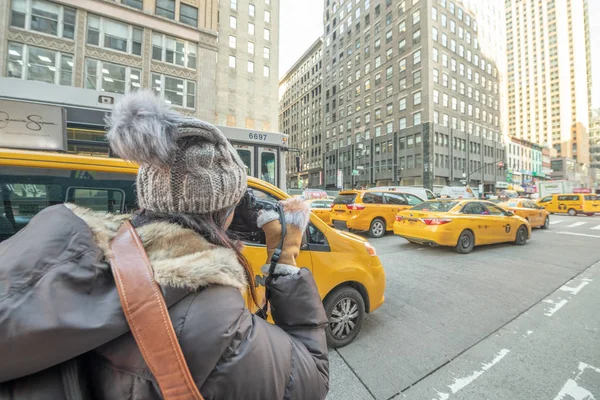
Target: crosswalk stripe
{"type": "Point", "coordinates": [552, 222]}
{"type": "Point", "coordinates": [596, 228]}
{"type": "Point", "coordinates": [576, 224]}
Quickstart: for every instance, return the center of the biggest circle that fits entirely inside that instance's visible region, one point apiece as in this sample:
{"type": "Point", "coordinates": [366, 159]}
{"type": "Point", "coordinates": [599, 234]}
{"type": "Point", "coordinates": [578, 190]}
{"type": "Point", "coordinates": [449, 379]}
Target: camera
{"type": "Point", "coordinates": [246, 214]}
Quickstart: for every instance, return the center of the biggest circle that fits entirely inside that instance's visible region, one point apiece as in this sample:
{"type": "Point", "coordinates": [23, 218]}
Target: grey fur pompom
{"type": "Point", "coordinates": [142, 129]}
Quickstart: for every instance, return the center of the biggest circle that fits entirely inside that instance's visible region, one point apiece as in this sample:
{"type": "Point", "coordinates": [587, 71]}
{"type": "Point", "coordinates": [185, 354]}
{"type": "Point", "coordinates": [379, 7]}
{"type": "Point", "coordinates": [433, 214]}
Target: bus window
{"type": "Point", "coordinates": [106, 200]}
{"type": "Point", "coordinates": [246, 156]}
{"type": "Point", "coordinates": [267, 167]}
{"type": "Point", "coordinates": [21, 202]}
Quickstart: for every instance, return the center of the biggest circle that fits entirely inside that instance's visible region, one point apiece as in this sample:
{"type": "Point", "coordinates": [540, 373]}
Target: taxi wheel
{"type": "Point", "coordinates": [546, 223]}
{"type": "Point", "coordinates": [345, 310]}
{"type": "Point", "coordinates": [377, 228]}
{"type": "Point", "coordinates": [572, 212]}
{"type": "Point", "coordinates": [466, 242]}
{"type": "Point", "coordinates": [521, 238]}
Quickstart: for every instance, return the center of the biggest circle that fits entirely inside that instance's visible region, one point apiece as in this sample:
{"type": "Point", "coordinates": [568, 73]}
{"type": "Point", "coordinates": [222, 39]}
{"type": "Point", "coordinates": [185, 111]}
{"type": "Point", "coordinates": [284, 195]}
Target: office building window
{"type": "Point", "coordinates": [251, 10]}
{"type": "Point", "coordinates": [37, 64]}
{"type": "Point", "coordinates": [232, 22]}
{"type": "Point", "coordinates": [267, 53]}
{"type": "Point", "coordinates": [176, 51]}
{"type": "Point", "coordinates": [416, 57]}
{"type": "Point", "coordinates": [417, 98]}
{"type": "Point", "coordinates": [416, 17]}
{"type": "Point", "coordinates": [139, 4]}
{"type": "Point", "coordinates": [188, 15]}
{"type": "Point", "coordinates": [250, 67]}
{"type": "Point", "coordinates": [250, 48]}
{"type": "Point", "coordinates": [402, 125]}
{"type": "Point", "coordinates": [165, 8]}
{"type": "Point", "coordinates": [417, 118]}
{"type": "Point", "coordinates": [267, 16]}
{"type": "Point", "coordinates": [114, 78]}
{"type": "Point", "coordinates": [175, 91]}
{"type": "Point", "coordinates": [251, 28]}
{"type": "Point", "coordinates": [267, 35]}
{"type": "Point", "coordinates": [232, 42]}
{"type": "Point", "coordinates": [44, 16]}
{"type": "Point", "coordinates": [231, 61]}
{"type": "Point", "coordinates": [402, 104]}
{"type": "Point", "coordinates": [266, 71]}
{"type": "Point", "coordinates": [233, 4]}
{"type": "Point", "coordinates": [110, 34]}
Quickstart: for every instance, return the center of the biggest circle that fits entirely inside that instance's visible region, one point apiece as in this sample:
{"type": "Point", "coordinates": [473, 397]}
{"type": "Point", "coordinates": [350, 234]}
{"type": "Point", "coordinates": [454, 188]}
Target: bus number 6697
{"type": "Point", "coordinates": [257, 136]}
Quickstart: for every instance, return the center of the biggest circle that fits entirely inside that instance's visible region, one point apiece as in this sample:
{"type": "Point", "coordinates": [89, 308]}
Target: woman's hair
{"type": "Point", "coordinates": [211, 227]}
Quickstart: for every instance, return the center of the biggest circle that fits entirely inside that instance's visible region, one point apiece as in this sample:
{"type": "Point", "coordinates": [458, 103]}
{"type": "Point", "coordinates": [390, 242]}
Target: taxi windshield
{"type": "Point", "coordinates": [435, 206]}
{"type": "Point", "coordinates": [513, 203]}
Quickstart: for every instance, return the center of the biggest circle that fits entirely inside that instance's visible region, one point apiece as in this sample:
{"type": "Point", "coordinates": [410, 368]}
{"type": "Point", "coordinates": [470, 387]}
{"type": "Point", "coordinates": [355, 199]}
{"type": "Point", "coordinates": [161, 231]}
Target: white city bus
{"type": "Point", "coordinates": [262, 152]}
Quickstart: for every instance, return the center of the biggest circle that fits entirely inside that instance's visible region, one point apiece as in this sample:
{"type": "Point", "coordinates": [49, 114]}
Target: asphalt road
{"type": "Point", "coordinates": [504, 322]}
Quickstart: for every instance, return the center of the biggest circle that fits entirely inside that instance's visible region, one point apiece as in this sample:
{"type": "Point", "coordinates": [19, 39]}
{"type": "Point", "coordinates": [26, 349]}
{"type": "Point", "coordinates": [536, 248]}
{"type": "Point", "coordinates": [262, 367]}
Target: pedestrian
{"type": "Point", "coordinates": [58, 300]}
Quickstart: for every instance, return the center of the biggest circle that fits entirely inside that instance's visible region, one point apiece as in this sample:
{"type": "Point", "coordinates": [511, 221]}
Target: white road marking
{"type": "Point", "coordinates": [552, 222]}
{"type": "Point", "coordinates": [557, 306]}
{"type": "Point", "coordinates": [579, 234]}
{"type": "Point", "coordinates": [576, 224]}
{"type": "Point", "coordinates": [572, 389]}
{"type": "Point", "coordinates": [596, 228]}
{"type": "Point", "coordinates": [576, 290]}
{"type": "Point", "coordinates": [461, 383]}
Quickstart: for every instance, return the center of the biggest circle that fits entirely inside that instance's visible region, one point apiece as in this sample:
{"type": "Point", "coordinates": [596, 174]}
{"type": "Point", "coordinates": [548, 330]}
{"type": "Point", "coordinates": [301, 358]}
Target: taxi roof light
{"type": "Point", "coordinates": [436, 221]}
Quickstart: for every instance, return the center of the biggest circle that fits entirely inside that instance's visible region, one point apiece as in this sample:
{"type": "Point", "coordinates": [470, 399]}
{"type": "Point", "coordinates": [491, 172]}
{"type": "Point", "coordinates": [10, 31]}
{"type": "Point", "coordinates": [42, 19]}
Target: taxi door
{"type": "Point", "coordinates": [478, 220]}
{"type": "Point", "coordinates": [537, 214]}
{"type": "Point", "coordinates": [548, 203]}
{"type": "Point", "coordinates": [504, 228]}
{"type": "Point", "coordinates": [393, 204]}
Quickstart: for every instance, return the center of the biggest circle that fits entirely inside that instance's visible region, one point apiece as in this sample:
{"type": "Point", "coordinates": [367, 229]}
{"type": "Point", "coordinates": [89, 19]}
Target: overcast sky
{"type": "Point", "coordinates": [301, 23]}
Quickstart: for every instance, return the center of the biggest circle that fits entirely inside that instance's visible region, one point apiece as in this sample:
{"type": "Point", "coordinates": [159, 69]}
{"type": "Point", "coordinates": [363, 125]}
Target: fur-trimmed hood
{"type": "Point", "coordinates": [179, 257]}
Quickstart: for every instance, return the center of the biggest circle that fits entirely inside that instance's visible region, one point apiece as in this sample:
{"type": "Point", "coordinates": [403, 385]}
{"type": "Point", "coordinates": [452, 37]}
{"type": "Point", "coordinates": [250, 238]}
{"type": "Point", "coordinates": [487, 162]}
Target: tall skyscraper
{"type": "Point", "coordinates": [410, 96]}
{"type": "Point", "coordinates": [549, 74]}
{"type": "Point", "coordinates": [248, 64]}
{"type": "Point", "coordinates": [301, 117]}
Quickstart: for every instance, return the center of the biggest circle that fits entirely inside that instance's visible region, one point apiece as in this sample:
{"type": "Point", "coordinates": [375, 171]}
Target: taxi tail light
{"type": "Point", "coordinates": [370, 249]}
{"type": "Point", "coordinates": [436, 221]}
{"type": "Point", "coordinates": [399, 218]}
{"type": "Point", "coordinates": [355, 207]}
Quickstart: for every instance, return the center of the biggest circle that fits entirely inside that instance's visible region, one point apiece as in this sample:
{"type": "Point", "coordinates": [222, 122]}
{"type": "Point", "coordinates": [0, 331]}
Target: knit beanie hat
{"type": "Point", "coordinates": [186, 165]}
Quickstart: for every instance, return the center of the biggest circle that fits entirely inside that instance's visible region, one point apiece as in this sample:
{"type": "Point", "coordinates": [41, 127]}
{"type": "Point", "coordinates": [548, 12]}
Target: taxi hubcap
{"type": "Point", "coordinates": [377, 228]}
{"type": "Point", "coordinates": [466, 241]}
{"type": "Point", "coordinates": [343, 318]}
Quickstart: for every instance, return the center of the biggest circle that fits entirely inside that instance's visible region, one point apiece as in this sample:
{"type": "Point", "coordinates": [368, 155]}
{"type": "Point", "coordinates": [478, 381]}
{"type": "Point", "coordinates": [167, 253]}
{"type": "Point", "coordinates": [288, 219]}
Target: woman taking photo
{"type": "Point", "coordinates": [59, 302]}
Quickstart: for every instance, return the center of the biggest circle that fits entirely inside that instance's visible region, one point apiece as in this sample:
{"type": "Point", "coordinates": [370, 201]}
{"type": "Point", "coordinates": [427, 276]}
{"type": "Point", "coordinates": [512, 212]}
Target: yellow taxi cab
{"type": "Point", "coordinates": [372, 211]}
{"type": "Point", "coordinates": [347, 270]}
{"type": "Point", "coordinates": [537, 216]}
{"type": "Point", "coordinates": [462, 224]}
{"type": "Point", "coordinates": [321, 208]}
{"type": "Point", "coordinates": [571, 204]}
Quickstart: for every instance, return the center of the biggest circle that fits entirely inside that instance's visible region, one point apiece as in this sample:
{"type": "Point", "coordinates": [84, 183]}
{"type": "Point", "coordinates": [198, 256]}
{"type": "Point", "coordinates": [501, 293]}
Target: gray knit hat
{"type": "Point", "coordinates": [186, 165]}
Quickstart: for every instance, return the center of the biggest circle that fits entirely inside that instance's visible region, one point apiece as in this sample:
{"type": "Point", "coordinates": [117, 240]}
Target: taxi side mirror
{"type": "Point", "coordinates": [510, 214]}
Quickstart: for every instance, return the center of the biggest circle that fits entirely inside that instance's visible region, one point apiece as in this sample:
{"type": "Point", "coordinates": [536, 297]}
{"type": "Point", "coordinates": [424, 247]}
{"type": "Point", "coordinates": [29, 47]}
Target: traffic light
{"type": "Point", "coordinates": [501, 165]}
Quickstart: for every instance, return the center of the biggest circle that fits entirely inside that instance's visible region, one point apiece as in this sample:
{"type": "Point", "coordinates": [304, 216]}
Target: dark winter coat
{"type": "Point", "coordinates": [58, 301]}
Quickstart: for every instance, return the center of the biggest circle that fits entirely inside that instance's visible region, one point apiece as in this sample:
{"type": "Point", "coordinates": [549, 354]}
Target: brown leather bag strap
{"type": "Point", "coordinates": [148, 316]}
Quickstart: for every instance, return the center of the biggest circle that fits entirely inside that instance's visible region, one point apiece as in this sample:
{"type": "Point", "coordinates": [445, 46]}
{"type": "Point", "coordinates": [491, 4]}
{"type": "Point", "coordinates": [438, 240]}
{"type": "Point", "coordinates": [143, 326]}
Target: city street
{"type": "Point", "coordinates": [504, 322]}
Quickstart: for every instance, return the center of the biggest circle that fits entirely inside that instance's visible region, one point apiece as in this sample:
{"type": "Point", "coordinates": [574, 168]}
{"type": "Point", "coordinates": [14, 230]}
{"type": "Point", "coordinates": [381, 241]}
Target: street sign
{"type": "Point", "coordinates": [360, 167]}
{"type": "Point", "coordinates": [354, 172]}
{"type": "Point", "coordinates": [340, 178]}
